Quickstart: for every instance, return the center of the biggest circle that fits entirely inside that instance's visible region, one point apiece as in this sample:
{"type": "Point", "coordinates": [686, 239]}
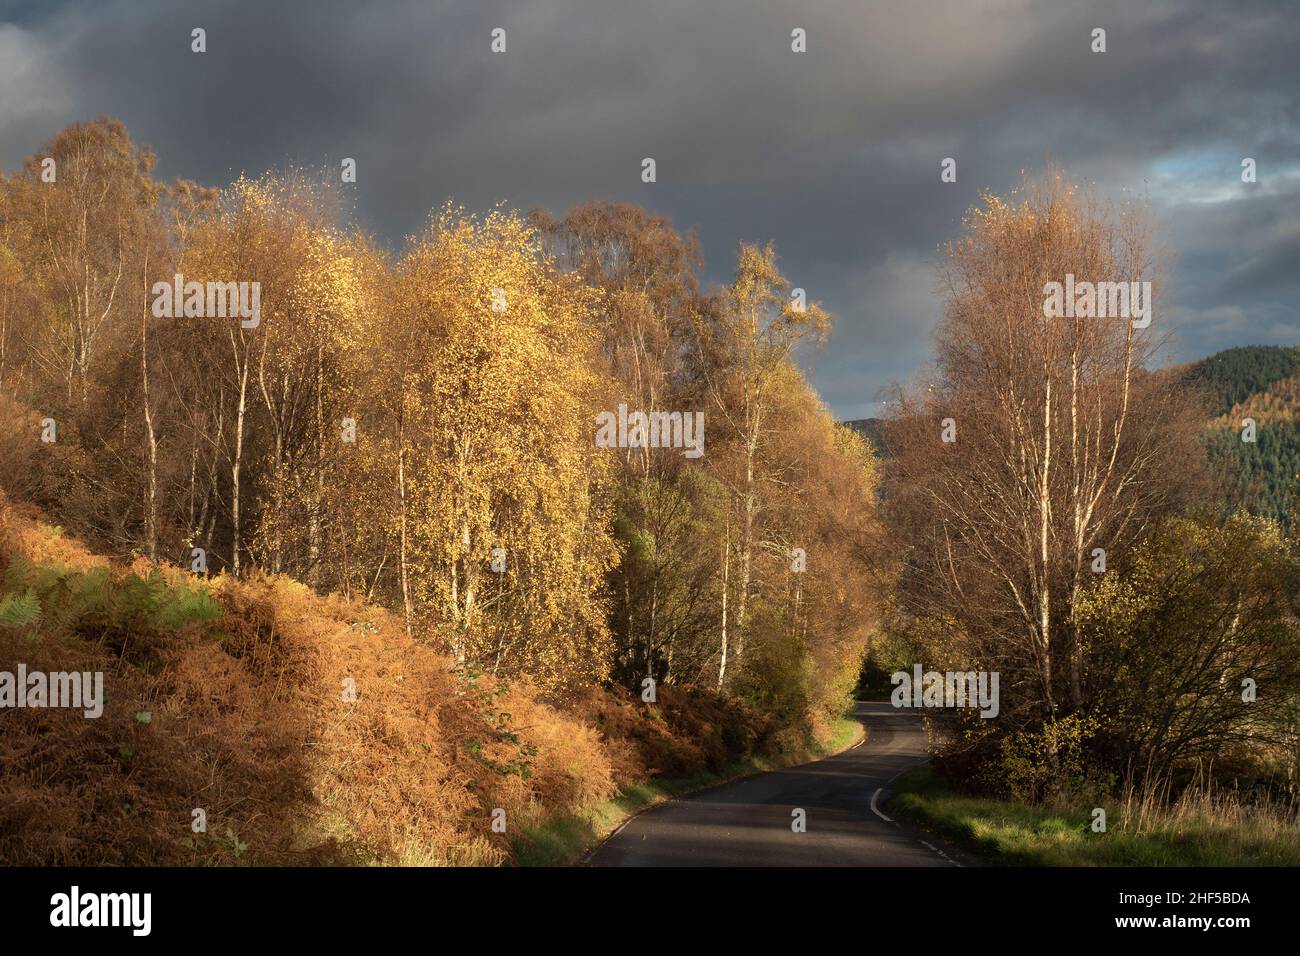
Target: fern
{"type": "Point", "coordinates": [20, 610]}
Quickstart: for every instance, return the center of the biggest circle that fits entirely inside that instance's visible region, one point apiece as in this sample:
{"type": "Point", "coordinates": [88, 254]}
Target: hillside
{"type": "Point", "coordinates": [1260, 383]}
{"type": "Point", "coordinates": [1231, 377]}
{"type": "Point", "coordinates": [225, 700]}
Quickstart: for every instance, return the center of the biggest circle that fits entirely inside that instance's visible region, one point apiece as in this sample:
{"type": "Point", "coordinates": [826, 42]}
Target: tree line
{"type": "Point", "coordinates": [416, 426]}
{"type": "Point", "coordinates": [419, 427]}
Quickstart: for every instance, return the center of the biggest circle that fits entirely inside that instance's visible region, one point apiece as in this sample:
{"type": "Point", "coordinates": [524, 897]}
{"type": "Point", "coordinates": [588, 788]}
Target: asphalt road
{"type": "Point", "coordinates": [748, 822]}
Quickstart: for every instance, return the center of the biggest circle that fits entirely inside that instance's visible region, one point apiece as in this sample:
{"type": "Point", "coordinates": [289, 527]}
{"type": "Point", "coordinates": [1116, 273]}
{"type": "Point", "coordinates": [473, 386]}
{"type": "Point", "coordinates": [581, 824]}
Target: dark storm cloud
{"type": "Point", "coordinates": [834, 154]}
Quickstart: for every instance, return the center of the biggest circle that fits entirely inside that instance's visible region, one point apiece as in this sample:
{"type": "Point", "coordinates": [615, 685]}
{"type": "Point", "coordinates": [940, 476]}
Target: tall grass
{"type": "Point", "coordinates": [1203, 826]}
{"type": "Point", "coordinates": [1212, 815]}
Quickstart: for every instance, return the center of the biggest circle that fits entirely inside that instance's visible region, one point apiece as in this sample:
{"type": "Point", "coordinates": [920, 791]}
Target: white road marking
{"type": "Point", "coordinates": [941, 853]}
{"type": "Point", "coordinates": [876, 810]}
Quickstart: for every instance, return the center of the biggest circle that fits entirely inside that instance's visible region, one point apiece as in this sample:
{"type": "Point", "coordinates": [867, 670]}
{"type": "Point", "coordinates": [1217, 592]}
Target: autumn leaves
{"type": "Point", "coordinates": [496, 429]}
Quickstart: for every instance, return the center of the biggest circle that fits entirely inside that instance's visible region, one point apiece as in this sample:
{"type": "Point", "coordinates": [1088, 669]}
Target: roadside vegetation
{"type": "Point", "coordinates": [229, 697]}
{"type": "Point", "coordinates": [1200, 828]}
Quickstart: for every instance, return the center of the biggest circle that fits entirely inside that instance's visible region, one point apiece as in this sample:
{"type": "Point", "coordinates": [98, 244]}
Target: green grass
{"type": "Point", "coordinates": [1199, 831]}
{"type": "Point", "coordinates": [846, 733]}
{"type": "Point", "coordinates": [566, 840]}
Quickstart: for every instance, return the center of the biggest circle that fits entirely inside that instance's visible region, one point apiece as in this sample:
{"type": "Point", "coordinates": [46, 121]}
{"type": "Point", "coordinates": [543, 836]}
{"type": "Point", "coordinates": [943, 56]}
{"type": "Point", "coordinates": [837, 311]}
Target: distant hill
{"type": "Point", "coordinates": [1260, 382]}
{"type": "Point", "coordinates": [1233, 376]}
{"type": "Point", "coordinates": [872, 429]}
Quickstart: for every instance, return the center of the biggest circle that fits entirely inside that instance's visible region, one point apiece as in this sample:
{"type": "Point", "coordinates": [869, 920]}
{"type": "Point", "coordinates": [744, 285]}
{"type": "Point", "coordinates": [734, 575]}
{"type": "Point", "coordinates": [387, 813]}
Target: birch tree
{"type": "Point", "coordinates": [1038, 442]}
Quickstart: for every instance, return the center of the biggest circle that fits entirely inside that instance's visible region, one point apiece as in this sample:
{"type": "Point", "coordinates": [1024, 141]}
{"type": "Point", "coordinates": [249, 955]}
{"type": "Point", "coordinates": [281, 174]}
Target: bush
{"type": "Point", "coordinates": [1049, 764]}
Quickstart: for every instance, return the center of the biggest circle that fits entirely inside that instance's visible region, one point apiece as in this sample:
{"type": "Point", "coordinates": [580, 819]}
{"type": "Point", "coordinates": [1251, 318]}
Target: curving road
{"type": "Point", "coordinates": [748, 822]}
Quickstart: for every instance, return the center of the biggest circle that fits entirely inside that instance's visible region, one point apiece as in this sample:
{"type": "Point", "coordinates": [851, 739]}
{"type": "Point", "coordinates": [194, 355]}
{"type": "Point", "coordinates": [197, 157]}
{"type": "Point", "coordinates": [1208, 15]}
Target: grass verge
{"type": "Point", "coordinates": [564, 841]}
{"type": "Point", "coordinates": [1199, 831]}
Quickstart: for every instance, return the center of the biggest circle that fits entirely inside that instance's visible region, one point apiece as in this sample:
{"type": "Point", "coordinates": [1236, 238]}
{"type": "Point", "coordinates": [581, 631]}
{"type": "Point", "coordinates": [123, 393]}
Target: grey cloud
{"type": "Point", "coordinates": [834, 154]}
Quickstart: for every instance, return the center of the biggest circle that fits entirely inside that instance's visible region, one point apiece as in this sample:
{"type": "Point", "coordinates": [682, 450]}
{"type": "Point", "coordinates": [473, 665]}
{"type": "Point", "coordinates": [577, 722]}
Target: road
{"type": "Point", "coordinates": [748, 822]}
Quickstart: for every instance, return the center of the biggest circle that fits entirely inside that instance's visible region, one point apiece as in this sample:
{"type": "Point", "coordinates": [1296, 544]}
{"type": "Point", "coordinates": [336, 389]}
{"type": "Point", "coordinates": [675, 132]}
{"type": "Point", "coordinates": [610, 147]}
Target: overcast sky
{"type": "Point", "coordinates": [834, 153]}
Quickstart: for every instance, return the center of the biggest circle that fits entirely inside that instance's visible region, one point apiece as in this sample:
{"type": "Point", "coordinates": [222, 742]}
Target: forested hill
{"type": "Point", "coordinates": [1233, 376]}
{"type": "Point", "coordinates": [1262, 383]}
